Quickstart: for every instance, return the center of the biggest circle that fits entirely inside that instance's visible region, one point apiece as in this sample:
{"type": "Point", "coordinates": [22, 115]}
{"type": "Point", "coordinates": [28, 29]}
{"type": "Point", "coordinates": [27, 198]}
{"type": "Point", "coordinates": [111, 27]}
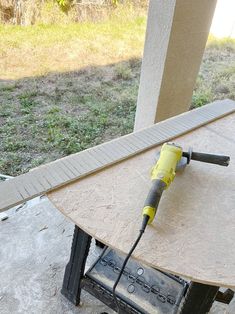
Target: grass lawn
{"type": "Point", "coordinates": [64, 88]}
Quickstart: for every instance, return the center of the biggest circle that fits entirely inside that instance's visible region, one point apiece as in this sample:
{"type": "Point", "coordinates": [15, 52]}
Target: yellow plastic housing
{"type": "Point", "coordinates": [149, 211]}
{"type": "Point", "coordinates": [166, 166]}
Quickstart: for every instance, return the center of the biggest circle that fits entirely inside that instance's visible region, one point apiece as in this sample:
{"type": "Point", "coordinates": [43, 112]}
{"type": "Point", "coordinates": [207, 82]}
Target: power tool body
{"type": "Point", "coordinates": [172, 159]}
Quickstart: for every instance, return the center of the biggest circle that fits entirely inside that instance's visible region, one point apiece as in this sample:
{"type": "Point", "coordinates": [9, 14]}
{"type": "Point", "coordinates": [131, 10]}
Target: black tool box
{"type": "Point", "coordinates": [141, 290]}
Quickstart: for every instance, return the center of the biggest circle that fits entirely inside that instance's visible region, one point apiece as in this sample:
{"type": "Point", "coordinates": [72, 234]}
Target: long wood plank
{"type": "Point", "coordinates": [63, 171]}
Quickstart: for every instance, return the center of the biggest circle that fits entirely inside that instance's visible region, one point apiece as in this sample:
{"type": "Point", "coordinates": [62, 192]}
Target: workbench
{"type": "Point", "coordinates": [193, 234]}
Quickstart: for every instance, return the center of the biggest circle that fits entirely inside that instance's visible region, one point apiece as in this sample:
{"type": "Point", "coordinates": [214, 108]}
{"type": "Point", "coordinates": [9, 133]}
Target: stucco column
{"type": "Point", "coordinates": [176, 36]}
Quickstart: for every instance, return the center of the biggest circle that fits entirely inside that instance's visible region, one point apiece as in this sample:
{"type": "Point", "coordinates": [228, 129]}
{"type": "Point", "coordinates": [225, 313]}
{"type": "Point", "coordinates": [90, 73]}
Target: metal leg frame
{"type": "Point", "coordinates": [74, 270]}
{"type": "Point", "coordinates": [198, 299]}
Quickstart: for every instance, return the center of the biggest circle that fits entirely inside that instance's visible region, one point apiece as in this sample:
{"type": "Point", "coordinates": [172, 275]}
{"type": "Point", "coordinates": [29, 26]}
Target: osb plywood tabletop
{"type": "Point", "coordinates": [193, 233]}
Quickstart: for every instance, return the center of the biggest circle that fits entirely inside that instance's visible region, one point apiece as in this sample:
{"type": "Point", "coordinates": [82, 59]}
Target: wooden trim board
{"type": "Point", "coordinates": [65, 170]}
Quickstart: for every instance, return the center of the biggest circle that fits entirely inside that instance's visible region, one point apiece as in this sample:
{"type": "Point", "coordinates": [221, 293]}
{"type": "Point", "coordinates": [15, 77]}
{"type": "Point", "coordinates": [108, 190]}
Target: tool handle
{"type": "Point", "coordinates": [210, 158]}
{"type": "Point", "coordinates": [153, 199]}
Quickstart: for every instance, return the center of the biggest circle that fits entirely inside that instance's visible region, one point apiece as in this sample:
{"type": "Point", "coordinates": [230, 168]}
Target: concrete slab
{"type": "Point", "coordinates": [35, 247]}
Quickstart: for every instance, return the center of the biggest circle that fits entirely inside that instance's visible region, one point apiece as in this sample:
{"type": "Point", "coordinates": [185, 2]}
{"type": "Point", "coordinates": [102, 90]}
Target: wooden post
{"type": "Point", "coordinates": [176, 36]}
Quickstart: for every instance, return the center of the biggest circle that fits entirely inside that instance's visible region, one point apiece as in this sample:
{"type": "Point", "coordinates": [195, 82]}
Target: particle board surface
{"type": "Point", "coordinates": [193, 234]}
{"type": "Point", "coordinates": [71, 168]}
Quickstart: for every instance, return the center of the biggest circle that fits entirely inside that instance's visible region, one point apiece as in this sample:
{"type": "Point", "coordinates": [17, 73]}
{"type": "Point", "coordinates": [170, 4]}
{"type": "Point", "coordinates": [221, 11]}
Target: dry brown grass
{"type": "Point", "coordinates": [39, 50]}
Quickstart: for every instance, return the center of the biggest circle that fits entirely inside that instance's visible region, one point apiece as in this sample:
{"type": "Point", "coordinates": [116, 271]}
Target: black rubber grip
{"type": "Point", "coordinates": [210, 158]}
{"type": "Point", "coordinates": [155, 193]}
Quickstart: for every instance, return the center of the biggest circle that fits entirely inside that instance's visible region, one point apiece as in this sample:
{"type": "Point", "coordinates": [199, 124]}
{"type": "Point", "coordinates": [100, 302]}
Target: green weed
{"type": "Point", "coordinates": [12, 144]}
{"type": "Point", "coordinates": [123, 71]}
{"type": "Point", "coordinates": [8, 88]}
{"type": "Point", "coordinates": [27, 103]}
{"type": "Point", "coordinates": [37, 161]}
{"type": "Point", "coordinates": [201, 97]}
{"type": "Point", "coordinates": [11, 163]}
{"type": "Point", "coordinates": [5, 111]}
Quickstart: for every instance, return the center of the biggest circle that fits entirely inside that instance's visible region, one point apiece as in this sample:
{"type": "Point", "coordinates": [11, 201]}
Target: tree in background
{"type": "Point", "coordinates": [21, 12]}
{"type": "Point", "coordinates": [65, 5]}
{"type": "Point", "coordinates": [29, 12]}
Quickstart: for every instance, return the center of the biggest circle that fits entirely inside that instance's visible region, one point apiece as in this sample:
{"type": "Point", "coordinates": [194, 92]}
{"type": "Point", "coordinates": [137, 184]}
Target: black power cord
{"type": "Point", "coordinates": [144, 225]}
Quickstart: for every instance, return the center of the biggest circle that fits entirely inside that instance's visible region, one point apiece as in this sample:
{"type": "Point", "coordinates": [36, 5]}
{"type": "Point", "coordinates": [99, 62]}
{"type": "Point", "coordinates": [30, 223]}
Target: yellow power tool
{"type": "Point", "coordinates": [163, 173]}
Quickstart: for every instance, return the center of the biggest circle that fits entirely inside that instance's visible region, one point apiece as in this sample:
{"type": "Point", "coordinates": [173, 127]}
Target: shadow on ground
{"type": "Point", "coordinates": [47, 117]}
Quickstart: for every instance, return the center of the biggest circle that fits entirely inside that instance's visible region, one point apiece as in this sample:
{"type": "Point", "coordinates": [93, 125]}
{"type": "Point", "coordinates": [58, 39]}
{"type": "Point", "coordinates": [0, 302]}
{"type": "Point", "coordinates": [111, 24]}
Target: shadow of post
{"type": "Point", "coordinates": [46, 117]}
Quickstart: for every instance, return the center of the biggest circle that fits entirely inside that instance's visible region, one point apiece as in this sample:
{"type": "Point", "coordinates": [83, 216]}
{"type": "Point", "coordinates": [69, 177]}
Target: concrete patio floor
{"type": "Point", "coordinates": [35, 247]}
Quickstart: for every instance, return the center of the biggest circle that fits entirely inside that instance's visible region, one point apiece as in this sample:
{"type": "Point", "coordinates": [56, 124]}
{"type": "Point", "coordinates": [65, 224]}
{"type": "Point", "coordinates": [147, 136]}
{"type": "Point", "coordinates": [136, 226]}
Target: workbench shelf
{"type": "Point", "coordinates": [192, 298]}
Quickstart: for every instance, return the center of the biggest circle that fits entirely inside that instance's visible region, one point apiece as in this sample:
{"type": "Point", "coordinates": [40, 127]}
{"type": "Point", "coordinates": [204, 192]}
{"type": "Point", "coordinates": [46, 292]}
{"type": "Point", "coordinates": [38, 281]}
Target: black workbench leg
{"type": "Point", "coordinates": [199, 298]}
{"type": "Point", "coordinates": [99, 244]}
{"type": "Point", "coordinates": [74, 270]}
